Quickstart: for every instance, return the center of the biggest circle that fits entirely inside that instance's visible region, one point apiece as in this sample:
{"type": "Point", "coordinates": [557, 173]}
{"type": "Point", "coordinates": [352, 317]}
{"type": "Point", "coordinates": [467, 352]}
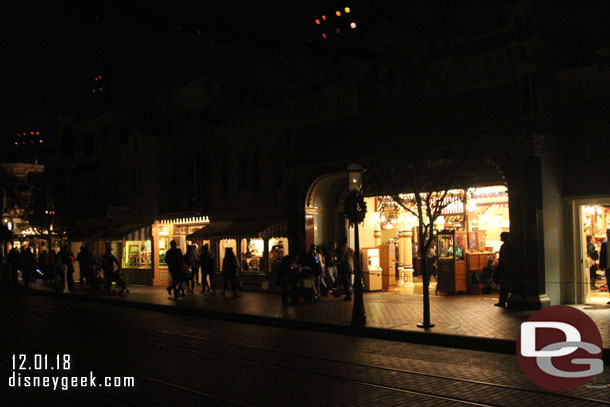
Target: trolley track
{"type": "Point", "coordinates": [329, 360]}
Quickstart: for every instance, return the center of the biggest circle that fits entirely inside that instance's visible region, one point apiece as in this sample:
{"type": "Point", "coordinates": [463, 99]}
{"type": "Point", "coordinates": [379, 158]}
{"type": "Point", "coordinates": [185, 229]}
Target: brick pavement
{"type": "Point", "coordinates": [463, 315]}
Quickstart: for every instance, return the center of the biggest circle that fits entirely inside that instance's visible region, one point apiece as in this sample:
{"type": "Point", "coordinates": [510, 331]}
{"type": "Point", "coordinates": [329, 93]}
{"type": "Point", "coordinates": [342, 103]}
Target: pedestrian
{"type": "Point", "coordinates": [108, 262]}
{"type": "Point", "coordinates": [229, 271]}
{"type": "Point", "coordinates": [503, 274]}
{"type": "Point", "coordinates": [604, 256]}
{"type": "Point", "coordinates": [330, 257]}
{"type": "Point", "coordinates": [312, 269]}
{"type": "Point", "coordinates": [173, 258]}
{"type": "Point", "coordinates": [65, 256]}
{"type": "Point", "coordinates": [206, 261]}
{"type": "Point", "coordinates": [345, 267]}
{"type": "Point", "coordinates": [592, 257]}
{"type": "Point", "coordinates": [195, 263]}
{"type": "Point", "coordinates": [12, 259]}
{"type": "Point", "coordinates": [84, 263]}
{"type": "Point", "coordinates": [287, 279]}
{"type": "Point", "coordinates": [191, 267]}
{"type": "Point", "coordinates": [28, 265]}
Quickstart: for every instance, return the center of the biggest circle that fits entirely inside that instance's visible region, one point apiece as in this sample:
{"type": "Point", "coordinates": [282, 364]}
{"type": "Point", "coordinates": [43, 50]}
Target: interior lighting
{"type": "Point", "coordinates": [338, 13]}
{"type": "Point", "coordinates": [352, 25]}
{"type": "Point", "coordinates": [347, 10]}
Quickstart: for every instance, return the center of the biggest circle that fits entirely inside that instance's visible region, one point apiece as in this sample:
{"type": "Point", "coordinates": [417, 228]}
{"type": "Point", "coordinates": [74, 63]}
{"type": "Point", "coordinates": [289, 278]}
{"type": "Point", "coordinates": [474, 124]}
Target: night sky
{"type": "Point", "coordinates": [52, 49]}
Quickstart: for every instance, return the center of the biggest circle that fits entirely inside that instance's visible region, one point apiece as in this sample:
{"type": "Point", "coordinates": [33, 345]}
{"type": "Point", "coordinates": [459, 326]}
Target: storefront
{"type": "Point", "coordinates": [176, 227]}
{"type": "Point", "coordinates": [258, 244]}
{"type": "Point", "coordinates": [468, 236]}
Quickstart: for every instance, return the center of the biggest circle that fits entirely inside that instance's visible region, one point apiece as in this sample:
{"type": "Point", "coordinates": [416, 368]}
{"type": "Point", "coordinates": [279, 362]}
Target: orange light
{"type": "Point", "coordinates": [338, 13]}
{"type": "Point", "coordinates": [24, 133]}
{"type": "Point", "coordinates": [353, 25]}
{"type": "Point", "coordinates": [37, 133]}
{"type": "Point", "coordinates": [32, 133]}
{"type": "Point", "coordinates": [347, 10]}
{"type": "Point", "coordinates": [317, 21]}
{"type": "Point", "coordinates": [324, 17]}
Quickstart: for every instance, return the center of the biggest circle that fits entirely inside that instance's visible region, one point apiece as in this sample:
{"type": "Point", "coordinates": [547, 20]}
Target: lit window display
{"type": "Point", "coordinates": [252, 254]}
{"type": "Point", "coordinates": [137, 253]}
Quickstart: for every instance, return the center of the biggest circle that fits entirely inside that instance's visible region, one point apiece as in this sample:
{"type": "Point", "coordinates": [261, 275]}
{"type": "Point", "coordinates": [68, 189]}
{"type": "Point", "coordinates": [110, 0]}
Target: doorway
{"type": "Point", "coordinates": [593, 218]}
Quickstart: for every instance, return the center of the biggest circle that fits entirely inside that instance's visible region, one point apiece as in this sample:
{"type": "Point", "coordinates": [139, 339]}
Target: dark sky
{"type": "Point", "coordinates": [51, 50]}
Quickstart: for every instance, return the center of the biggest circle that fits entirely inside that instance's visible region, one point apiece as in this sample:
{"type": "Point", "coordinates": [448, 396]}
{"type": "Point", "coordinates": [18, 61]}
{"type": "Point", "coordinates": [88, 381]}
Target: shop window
{"type": "Point", "coordinates": [137, 253]}
{"type": "Point", "coordinates": [163, 247]}
{"type": "Point", "coordinates": [252, 254]}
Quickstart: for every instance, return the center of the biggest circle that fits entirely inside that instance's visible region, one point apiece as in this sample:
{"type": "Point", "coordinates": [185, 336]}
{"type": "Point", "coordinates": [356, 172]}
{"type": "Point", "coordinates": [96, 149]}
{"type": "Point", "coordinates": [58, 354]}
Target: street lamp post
{"type": "Point", "coordinates": [355, 187]}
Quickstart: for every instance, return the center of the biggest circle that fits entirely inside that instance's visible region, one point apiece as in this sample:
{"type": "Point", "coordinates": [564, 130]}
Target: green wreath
{"type": "Point", "coordinates": [354, 207]}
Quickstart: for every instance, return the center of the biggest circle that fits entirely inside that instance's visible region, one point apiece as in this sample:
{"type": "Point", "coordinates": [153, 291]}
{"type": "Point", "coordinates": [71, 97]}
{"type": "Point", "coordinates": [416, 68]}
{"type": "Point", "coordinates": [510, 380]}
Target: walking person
{"type": "Point", "coordinates": [28, 266]}
{"type": "Point", "coordinates": [287, 279]}
{"type": "Point", "coordinates": [84, 262]}
{"type": "Point", "coordinates": [191, 266]}
{"type": "Point", "coordinates": [65, 257]}
{"type": "Point", "coordinates": [346, 267]}
{"type": "Point", "coordinates": [229, 271]}
{"type": "Point", "coordinates": [206, 261]}
{"type": "Point", "coordinates": [173, 259]}
{"type": "Point", "coordinates": [108, 262]}
{"type": "Point", "coordinates": [503, 274]}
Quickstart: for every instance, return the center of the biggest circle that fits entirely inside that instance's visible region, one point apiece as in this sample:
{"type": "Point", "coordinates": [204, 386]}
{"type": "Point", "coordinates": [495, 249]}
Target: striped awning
{"type": "Point", "coordinates": [127, 232]}
{"type": "Point", "coordinates": [241, 229]}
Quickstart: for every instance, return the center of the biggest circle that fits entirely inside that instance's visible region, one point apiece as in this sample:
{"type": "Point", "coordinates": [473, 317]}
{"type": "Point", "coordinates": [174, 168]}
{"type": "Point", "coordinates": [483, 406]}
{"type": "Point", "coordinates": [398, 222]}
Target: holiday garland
{"type": "Point", "coordinates": [354, 207]}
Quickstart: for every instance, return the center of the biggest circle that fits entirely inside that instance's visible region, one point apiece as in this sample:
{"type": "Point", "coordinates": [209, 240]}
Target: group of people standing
{"type": "Point", "coordinates": [51, 265]}
{"type": "Point", "coordinates": [184, 269]}
{"type": "Point", "coordinates": [315, 273]}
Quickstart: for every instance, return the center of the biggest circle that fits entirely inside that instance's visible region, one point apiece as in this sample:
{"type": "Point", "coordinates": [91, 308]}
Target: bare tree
{"type": "Point", "coordinates": [420, 176]}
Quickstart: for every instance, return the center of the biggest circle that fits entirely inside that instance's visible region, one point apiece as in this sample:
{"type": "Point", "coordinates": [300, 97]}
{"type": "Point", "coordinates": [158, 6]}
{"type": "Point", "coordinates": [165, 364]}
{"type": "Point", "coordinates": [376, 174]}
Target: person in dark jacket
{"type": "Point", "coordinates": [603, 255]}
{"type": "Point", "coordinates": [84, 262]}
{"type": "Point", "coordinates": [108, 262]}
{"type": "Point", "coordinates": [173, 258]}
{"type": "Point", "coordinates": [592, 257]}
{"type": "Point", "coordinates": [206, 261]}
{"type": "Point", "coordinates": [229, 271]}
{"type": "Point", "coordinates": [287, 279]}
{"type": "Point", "coordinates": [345, 265]}
{"type": "Point", "coordinates": [28, 265]}
{"type": "Point", "coordinates": [503, 274]}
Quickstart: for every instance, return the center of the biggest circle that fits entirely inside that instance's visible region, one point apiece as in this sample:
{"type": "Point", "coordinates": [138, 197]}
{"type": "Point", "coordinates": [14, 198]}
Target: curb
{"type": "Point", "coordinates": [494, 345]}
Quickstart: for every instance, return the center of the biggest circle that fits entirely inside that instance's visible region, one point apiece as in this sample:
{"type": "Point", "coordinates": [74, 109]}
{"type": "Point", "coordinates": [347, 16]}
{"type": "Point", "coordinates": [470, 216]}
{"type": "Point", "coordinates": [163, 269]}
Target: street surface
{"type": "Point", "coordinates": [184, 360]}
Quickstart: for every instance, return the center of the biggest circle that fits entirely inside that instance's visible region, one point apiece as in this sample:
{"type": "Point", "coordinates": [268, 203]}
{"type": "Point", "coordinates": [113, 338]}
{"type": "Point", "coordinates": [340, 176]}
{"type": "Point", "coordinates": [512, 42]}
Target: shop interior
{"type": "Point", "coordinates": [595, 219]}
{"type": "Point", "coordinates": [468, 237]}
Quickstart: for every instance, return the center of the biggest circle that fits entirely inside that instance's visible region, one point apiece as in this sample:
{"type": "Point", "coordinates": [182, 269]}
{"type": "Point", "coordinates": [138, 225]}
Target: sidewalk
{"type": "Point", "coordinates": [463, 321]}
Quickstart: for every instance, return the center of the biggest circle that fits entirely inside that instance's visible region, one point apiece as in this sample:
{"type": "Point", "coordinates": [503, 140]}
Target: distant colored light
{"type": "Point", "coordinates": [93, 90]}
{"type": "Point", "coordinates": [24, 133]}
{"type": "Point", "coordinates": [323, 35]}
{"type": "Point", "coordinates": [100, 76]}
{"type": "Point", "coordinates": [37, 133]}
{"type": "Point", "coordinates": [16, 142]}
{"type": "Point", "coordinates": [40, 141]}
{"type": "Point", "coordinates": [324, 17]}
{"type": "Point", "coordinates": [353, 25]}
{"type": "Point", "coordinates": [338, 13]}
{"type": "Point", "coordinates": [317, 21]}
{"type": "Point", "coordinates": [338, 30]}
{"type": "Point", "coordinates": [347, 10]}
{"type": "Point", "coordinates": [32, 133]}
{"type": "Point", "coordinates": [101, 89]}
{"type": "Point", "coordinates": [96, 78]}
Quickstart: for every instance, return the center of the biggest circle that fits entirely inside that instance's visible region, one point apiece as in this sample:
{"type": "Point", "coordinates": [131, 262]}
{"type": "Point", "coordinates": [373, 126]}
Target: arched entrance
{"type": "Point", "coordinates": [324, 220]}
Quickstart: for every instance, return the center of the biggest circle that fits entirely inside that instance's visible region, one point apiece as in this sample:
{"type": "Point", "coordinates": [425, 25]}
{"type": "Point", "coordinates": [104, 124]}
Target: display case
{"type": "Point", "coordinates": [387, 260]}
{"type": "Point", "coordinates": [371, 269]}
{"type": "Point", "coordinates": [451, 263]}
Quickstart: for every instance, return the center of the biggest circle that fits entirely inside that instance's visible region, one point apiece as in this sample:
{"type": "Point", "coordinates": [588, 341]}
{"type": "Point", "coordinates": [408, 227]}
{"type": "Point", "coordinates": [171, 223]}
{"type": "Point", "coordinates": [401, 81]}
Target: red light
{"type": "Point", "coordinates": [32, 133]}
{"type": "Point", "coordinates": [317, 21]}
{"type": "Point", "coordinates": [16, 142]}
{"type": "Point", "coordinates": [24, 133]}
{"type": "Point", "coordinates": [324, 35]}
{"type": "Point", "coordinates": [37, 133]}
{"type": "Point", "coordinates": [100, 76]}
{"type": "Point", "coordinates": [96, 78]}
{"type": "Point", "coordinates": [100, 89]}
